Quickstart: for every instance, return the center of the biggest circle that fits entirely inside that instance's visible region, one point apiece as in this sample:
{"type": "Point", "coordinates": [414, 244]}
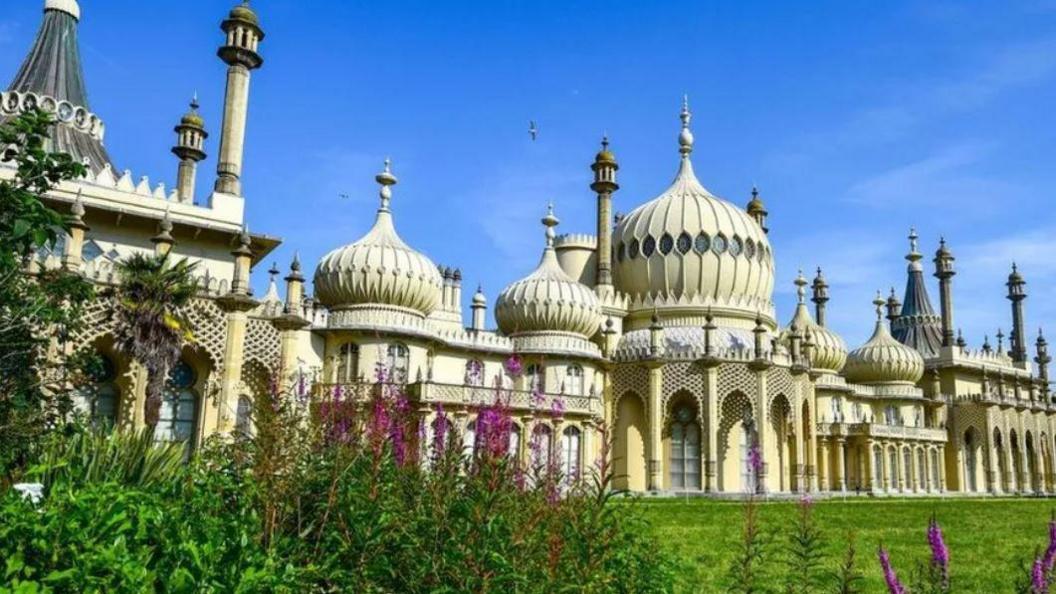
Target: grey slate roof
{"type": "Point", "coordinates": [918, 326]}
{"type": "Point", "coordinates": [53, 68]}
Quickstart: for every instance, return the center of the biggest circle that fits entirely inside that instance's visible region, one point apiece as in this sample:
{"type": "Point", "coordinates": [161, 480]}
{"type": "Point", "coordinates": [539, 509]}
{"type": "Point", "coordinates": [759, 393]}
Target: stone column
{"type": "Point", "coordinates": [993, 481]}
{"type": "Point", "coordinates": [823, 463]}
{"type": "Point", "coordinates": [1010, 470]}
{"type": "Point", "coordinates": [942, 468]}
{"type": "Point", "coordinates": [762, 427]}
{"type": "Point", "coordinates": [874, 477]}
{"type": "Point", "coordinates": [237, 303]}
{"type": "Point", "coordinates": [656, 419]}
{"type": "Point", "coordinates": [72, 259]}
{"type": "Point", "coordinates": [1024, 468]}
{"type": "Point", "coordinates": [839, 469]}
{"type": "Point", "coordinates": [711, 465]}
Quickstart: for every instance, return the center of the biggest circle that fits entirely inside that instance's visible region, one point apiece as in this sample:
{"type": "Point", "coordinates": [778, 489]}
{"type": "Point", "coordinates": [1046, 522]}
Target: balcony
{"type": "Point", "coordinates": [519, 401]}
{"type": "Point", "coordinates": [880, 431]}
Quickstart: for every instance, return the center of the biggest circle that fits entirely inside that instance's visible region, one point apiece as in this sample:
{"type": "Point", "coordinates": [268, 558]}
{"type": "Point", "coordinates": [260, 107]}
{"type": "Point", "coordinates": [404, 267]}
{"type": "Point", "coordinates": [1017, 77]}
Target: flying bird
{"type": "Point", "coordinates": [345, 196]}
{"type": "Point", "coordinates": [532, 130]}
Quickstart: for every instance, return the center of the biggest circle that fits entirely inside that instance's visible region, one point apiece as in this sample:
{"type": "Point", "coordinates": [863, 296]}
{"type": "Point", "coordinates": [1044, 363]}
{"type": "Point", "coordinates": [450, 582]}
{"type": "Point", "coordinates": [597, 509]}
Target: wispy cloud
{"type": "Point", "coordinates": [949, 176]}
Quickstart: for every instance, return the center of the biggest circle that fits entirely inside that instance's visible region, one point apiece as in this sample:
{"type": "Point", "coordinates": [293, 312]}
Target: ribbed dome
{"type": "Point", "coordinates": [688, 247]}
{"type": "Point", "coordinates": [882, 359]}
{"type": "Point", "coordinates": [243, 12]}
{"type": "Point", "coordinates": [548, 300]}
{"type": "Point", "coordinates": [379, 268]}
{"type": "Point", "coordinates": [830, 351]}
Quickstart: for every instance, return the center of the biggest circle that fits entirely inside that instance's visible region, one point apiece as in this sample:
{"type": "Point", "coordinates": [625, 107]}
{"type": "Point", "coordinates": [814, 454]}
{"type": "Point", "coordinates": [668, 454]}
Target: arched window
{"type": "Point", "coordinates": [922, 471]}
{"type": "Point", "coordinates": [570, 464]}
{"type": "Point", "coordinates": [837, 409]}
{"type": "Point", "coordinates": [878, 468]}
{"type": "Point", "coordinates": [515, 442]}
{"type": "Point", "coordinates": [969, 460]}
{"type": "Point", "coordinates": [348, 363]}
{"type": "Point", "coordinates": [534, 378]}
{"type": "Point", "coordinates": [685, 449]}
{"type": "Point", "coordinates": [542, 438]}
{"type": "Point", "coordinates": [574, 380]}
{"type": "Point", "coordinates": [397, 361]}
{"type": "Point", "coordinates": [98, 399]}
{"type": "Point", "coordinates": [892, 474]}
{"type": "Point", "coordinates": [935, 469]}
{"type": "Point", "coordinates": [469, 440]}
{"type": "Point", "coordinates": [179, 407]}
{"type": "Point", "coordinates": [474, 372]}
{"type": "Point", "coordinates": [243, 416]}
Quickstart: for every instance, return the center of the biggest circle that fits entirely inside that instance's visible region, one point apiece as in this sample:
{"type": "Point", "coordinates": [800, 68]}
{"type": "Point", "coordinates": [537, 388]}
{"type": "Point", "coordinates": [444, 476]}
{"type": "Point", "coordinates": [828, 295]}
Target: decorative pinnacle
{"type": "Point", "coordinates": [78, 205]}
{"type": "Point", "coordinates": [274, 270]}
{"type": "Point", "coordinates": [295, 266]}
{"type": "Point", "coordinates": [194, 102]}
{"type": "Point", "coordinates": [879, 303]}
{"type": "Point", "coordinates": [166, 222]}
{"type": "Point", "coordinates": [550, 221]}
{"type": "Point", "coordinates": [801, 287]}
{"type": "Point", "coordinates": [386, 179]}
{"type": "Point", "coordinates": [685, 138]}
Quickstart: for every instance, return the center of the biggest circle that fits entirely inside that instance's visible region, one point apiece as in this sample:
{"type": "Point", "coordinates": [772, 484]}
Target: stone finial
{"type": "Point", "coordinates": [685, 137]}
{"type": "Point", "coordinates": [550, 221]}
{"type": "Point", "coordinates": [386, 180]}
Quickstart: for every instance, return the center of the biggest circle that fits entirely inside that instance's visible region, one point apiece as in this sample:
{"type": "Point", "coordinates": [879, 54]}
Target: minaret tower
{"type": "Point", "coordinates": [239, 52]}
{"type": "Point", "coordinates": [1016, 294]}
{"type": "Point", "coordinates": [1043, 359]}
{"type": "Point", "coordinates": [604, 185]}
{"type": "Point", "coordinates": [820, 298]}
{"type": "Point", "coordinates": [757, 210]}
{"type": "Point", "coordinates": [944, 272]}
{"type": "Point", "coordinates": [190, 148]}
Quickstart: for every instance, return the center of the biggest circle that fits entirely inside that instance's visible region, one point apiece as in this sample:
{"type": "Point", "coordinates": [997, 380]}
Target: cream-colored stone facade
{"type": "Point", "coordinates": [658, 333]}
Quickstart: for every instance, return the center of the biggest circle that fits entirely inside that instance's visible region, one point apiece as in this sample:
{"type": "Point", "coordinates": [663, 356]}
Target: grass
{"type": "Point", "coordinates": [989, 539]}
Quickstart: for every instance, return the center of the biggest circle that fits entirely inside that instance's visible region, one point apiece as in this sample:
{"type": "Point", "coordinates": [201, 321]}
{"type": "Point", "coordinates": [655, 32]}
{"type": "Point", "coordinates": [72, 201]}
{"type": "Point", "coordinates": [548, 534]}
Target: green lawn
{"type": "Point", "coordinates": [988, 538]}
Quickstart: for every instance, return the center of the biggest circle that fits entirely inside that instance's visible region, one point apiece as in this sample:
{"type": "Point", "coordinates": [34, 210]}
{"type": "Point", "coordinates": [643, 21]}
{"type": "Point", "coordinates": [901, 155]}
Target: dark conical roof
{"type": "Point", "coordinates": [917, 326]}
{"type": "Point", "coordinates": [52, 68]}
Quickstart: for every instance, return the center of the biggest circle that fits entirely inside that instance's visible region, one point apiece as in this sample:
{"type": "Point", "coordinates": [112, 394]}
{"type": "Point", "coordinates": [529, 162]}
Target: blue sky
{"type": "Point", "coordinates": [856, 120]}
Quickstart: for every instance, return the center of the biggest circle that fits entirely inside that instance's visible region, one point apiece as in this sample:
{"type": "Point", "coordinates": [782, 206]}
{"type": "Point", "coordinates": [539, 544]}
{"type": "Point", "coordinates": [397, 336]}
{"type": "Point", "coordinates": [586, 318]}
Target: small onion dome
{"type": "Point", "coordinates": [379, 268]}
{"type": "Point", "coordinates": [605, 155]}
{"type": "Point", "coordinates": [479, 299]}
{"type": "Point", "coordinates": [244, 13]}
{"type": "Point", "coordinates": [830, 351]}
{"type": "Point", "coordinates": [882, 359]}
{"type": "Point", "coordinates": [548, 300]}
{"type": "Point", "coordinates": [755, 205]}
{"type": "Point", "coordinates": [193, 118]}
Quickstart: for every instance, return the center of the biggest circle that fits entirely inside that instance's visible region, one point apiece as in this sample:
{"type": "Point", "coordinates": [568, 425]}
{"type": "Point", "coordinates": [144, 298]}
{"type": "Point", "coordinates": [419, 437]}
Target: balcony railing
{"type": "Point", "coordinates": [466, 395]}
{"type": "Point", "coordinates": [882, 431]}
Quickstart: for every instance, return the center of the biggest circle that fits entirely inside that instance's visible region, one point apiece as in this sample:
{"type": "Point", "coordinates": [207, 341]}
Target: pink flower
{"type": "Point", "coordinates": [890, 577]}
{"type": "Point", "coordinates": [514, 367]}
{"type": "Point", "coordinates": [940, 554]}
{"type": "Point", "coordinates": [1039, 584]}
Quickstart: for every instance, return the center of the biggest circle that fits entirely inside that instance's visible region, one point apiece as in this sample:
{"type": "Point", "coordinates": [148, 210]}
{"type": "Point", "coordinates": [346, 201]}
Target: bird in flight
{"type": "Point", "coordinates": [345, 196]}
{"type": "Point", "coordinates": [532, 129]}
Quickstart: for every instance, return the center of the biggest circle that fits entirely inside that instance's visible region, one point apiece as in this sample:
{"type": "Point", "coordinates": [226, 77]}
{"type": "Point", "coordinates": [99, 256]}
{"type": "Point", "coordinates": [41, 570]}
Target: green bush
{"type": "Point", "coordinates": [349, 501]}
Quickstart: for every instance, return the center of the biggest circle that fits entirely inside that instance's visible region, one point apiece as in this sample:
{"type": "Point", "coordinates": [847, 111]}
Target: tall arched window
{"type": "Point", "coordinates": [179, 408]}
{"type": "Point", "coordinates": [969, 460]}
{"type": "Point", "coordinates": [570, 464]}
{"type": "Point", "coordinates": [892, 475]}
{"type": "Point", "coordinates": [98, 399]}
{"type": "Point", "coordinates": [574, 380]}
{"type": "Point", "coordinates": [935, 470]}
{"type": "Point", "coordinates": [348, 363]}
{"type": "Point", "coordinates": [878, 468]}
{"type": "Point", "coordinates": [398, 360]}
{"type": "Point", "coordinates": [534, 378]}
{"type": "Point", "coordinates": [469, 440]}
{"type": "Point", "coordinates": [474, 372]}
{"type": "Point", "coordinates": [542, 438]}
{"type": "Point", "coordinates": [244, 416]}
{"type": "Point", "coordinates": [922, 471]}
{"type": "Point", "coordinates": [685, 449]}
{"type": "Point", "coordinates": [515, 442]}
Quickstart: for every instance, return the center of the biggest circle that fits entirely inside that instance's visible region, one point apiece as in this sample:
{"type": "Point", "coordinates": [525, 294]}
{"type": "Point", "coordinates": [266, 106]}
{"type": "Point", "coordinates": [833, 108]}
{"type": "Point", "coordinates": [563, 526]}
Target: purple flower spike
{"type": "Point", "coordinates": [890, 577]}
{"type": "Point", "coordinates": [940, 554]}
{"type": "Point", "coordinates": [1050, 552]}
{"type": "Point", "coordinates": [1039, 584]}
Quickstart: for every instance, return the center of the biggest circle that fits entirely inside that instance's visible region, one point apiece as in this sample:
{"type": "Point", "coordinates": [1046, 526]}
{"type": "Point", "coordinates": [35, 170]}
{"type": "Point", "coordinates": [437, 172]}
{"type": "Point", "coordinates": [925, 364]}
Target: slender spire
{"type": "Point", "coordinates": [801, 288]}
{"type": "Point", "coordinates": [820, 297]}
{"type": "Point", "coordinates": [917, 326]}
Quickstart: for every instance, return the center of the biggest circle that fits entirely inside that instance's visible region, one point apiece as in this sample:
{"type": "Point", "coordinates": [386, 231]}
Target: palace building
{"type": "Point", "coordinates": [659, 332]}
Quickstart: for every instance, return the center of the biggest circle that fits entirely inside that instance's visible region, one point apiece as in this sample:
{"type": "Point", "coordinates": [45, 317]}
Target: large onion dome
{"type": "Point", "coordinates": [882, 359]}
{"type": "Point", "coordinates": [830, 352]}
{"type": "Point", "coordinates": [688, 250]}
{"type": "Point", "coordinates": [548, 300]}
{"type": "Point", "coordinates": [379, 268]}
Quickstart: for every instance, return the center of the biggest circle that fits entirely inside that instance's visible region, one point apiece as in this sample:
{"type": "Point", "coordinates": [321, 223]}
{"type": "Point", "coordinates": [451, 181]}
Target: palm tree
{"type": "Point", "coordinates": [151, 326]}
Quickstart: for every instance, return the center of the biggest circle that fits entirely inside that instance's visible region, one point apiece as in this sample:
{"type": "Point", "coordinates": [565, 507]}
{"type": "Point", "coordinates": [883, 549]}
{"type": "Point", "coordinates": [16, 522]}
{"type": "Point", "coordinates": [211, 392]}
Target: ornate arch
{"type": "Point", "coordinates": [736, 407]}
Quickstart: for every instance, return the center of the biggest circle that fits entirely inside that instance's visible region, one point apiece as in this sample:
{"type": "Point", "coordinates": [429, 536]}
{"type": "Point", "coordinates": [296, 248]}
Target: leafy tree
{"type": "Point", "coordinates": [151, 328]}
{"type": "Point", "coordinates": [34, 310]}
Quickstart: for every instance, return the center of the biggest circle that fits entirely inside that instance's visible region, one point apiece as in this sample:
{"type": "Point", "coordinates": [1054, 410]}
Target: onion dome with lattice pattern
{"type": "Point", "coordinates": [830, 351]}
{"type": "Point", "coordinates": [548, 300]}
{"type": "Point", "coordinates": [688, 250]}
{"type": "Point", "coordinates": [882, 359]}
{"type": "Point", "coordinates": [379, 268]}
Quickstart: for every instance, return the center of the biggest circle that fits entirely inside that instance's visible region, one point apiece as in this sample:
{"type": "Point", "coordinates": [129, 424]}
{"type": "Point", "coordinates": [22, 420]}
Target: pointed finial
{"type": "Point", "coordinates": [879, 303]}
{"type": "Point", "coordinates": [274, 270]}
{"type": "Point", "coordinates": [194, 102]}
{"type": "Point", "coordinates": [961, 342]}
{"type": "Point", "coordinates": [913, 239]}
{"type": "Point", "coordinates": [78, 204]}
{"type": "Point", "coordinates": [604, 142]}
{"type": "Point", "coordinates": [386, 179]}
{"type": "Point", "coordinates": [801, 287]}
{"type": "Point", "coordinates": [295, 266]}
{"type": "Point", "coordinates": [685, 138]}
{"type": "Point", "coordinates": [166, 221]}
{"type": "Point", "coordinates": [550, 221]}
